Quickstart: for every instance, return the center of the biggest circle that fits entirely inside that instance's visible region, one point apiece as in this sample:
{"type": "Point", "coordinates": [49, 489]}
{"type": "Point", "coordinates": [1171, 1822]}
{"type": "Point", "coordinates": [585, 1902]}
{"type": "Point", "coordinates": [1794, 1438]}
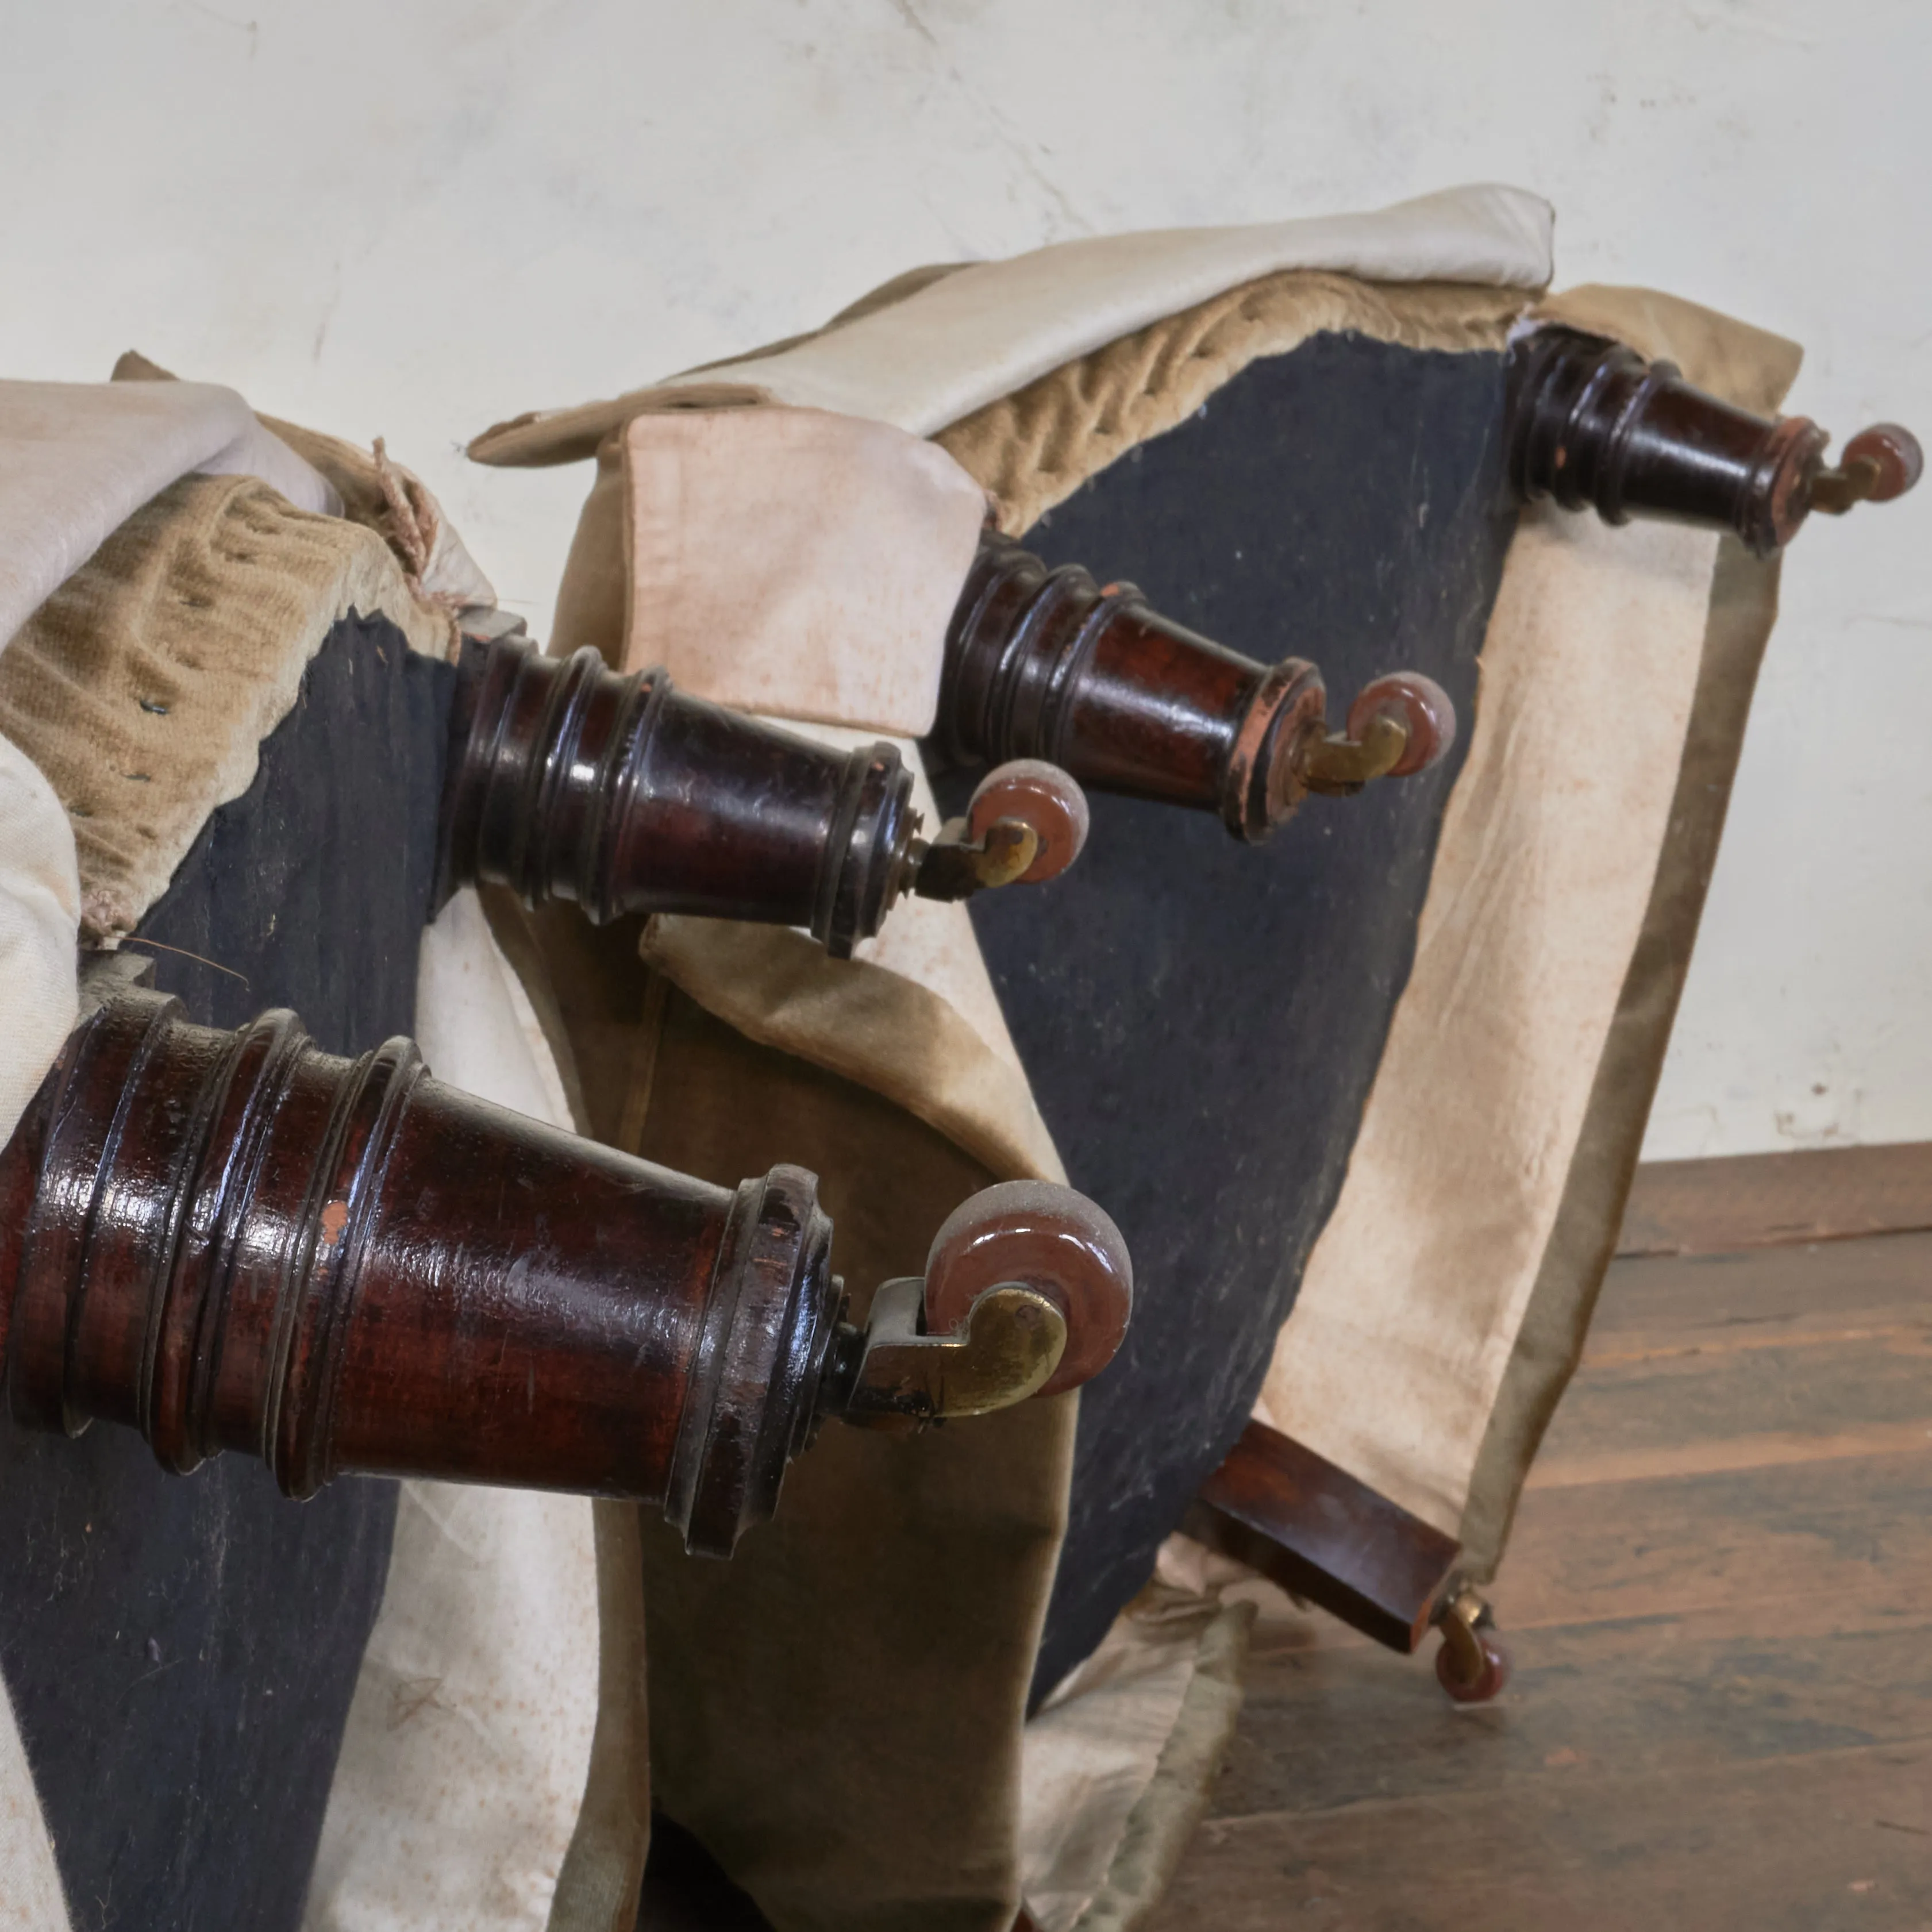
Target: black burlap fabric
{"type": "Point", "coordinates": [182, 1652]}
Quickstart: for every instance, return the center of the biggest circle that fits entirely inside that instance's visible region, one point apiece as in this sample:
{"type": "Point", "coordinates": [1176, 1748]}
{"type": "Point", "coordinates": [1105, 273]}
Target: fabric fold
{"type": "Point", "coordinates": [795, 562]}
{"type": "Point", "coordinates": [946, 346]}
{"type": "Point", "coordinates": [143, 685]}
{"type": "Point", "coordinates": [78, 459]}
{"type": "Point", "coordinates": [866, 1023]}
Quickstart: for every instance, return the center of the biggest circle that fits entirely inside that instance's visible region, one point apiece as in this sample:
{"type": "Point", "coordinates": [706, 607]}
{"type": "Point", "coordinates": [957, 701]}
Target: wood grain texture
{"type": "Point", "coordinates": [1719, 1600]}
{"type": "Point", "coordinates": [1719, 1206]}
{"type": "Point", "coordinates": [628, 797]}
{"type": "Point", "coordinates": [1803, 1844]}
{"type": "Point", "coordinates": [1050, 664]}
{"type": "Point", "coordinates": [1314, 1529]}
{"type": "Point", "coordinates": [236, 1241]}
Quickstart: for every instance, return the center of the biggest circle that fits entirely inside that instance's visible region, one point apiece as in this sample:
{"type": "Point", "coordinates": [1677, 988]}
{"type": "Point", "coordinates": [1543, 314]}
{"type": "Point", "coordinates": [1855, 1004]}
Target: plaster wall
{"type": "Point", "coordinates": [411, 219]}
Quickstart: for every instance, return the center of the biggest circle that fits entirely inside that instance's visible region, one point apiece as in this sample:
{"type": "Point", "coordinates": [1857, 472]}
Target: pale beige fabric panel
{"type": "Point", "coordinates": [1099, 1827]}
{"type": "Point", "coordinates": [912, 1014]}
{"type": "Point", "coordinates": [868, 1024]}
{"type": "Point", "coordinates": [1419, 1286]}
{"type": "Point", "coordinates": [980, 333]}
{"type": "Point", "coordinates": [931, 942]}
{"type": "Point", "coordinates": [31, 1898]}
{"type": "Point", "coordinates": [40, 919]}
{"type": "Point", "coordinates": [603, 1869]}
{"type": "Point", "coordinates": [1389, 1361]}
{"type": "Point", "coordinates": [934, 345]}
{"type": "Point", "coordinates": [795, 562]}
{"type": "Point", "coordinates": [1550, 1344]}
{"type": "Point", "coordinates": [464, 1761]}
{"type": "Point", "coordinates": [1748, 366]}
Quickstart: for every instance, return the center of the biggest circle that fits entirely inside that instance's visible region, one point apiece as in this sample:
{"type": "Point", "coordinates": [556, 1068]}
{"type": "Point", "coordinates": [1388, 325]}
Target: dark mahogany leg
{"type": "Point", "coordinates": [1329, 1539]}
{"type": "Point", "coordinates": [236, 1241]}
{"type": "Point", "coordinates": [1592, 424]}
{"type": "Point", "coordinates": [1320, 1533]}
{"type": "Point", "coordinates": [1048, 664]}
{"type": "Point", "coordinates": [568, 781]}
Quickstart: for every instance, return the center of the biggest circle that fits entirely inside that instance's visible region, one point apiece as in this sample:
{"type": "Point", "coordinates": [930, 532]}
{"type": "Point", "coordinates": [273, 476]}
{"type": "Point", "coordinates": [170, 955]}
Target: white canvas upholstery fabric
{"type": "Point", "coordinates": [40, 924]}
{"type": "Point", "coordinates": [985, 331]}
{"type": "Point", "coordinates": [31, 1899]}
{"type": "Point", "coordinates": [464, 1764]}
{"type": "Point", "coordinates": [77, 459]}
{"type": "Point", "coordinates": [795, 561]}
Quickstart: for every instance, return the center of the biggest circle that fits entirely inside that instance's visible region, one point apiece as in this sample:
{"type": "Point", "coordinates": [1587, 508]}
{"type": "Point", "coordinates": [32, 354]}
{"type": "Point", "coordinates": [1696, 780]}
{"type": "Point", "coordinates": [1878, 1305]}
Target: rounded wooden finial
{"type": "Point", "coordinates": [1047, 1238]}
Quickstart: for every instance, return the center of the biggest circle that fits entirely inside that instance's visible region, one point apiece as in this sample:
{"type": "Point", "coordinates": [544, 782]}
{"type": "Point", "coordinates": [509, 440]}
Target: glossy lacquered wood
{"type": "Point", "coordinates": [236, 1241]}
{"type": "Point", "coordinates": [568, 781]}
{"type": "Point", "coordinates": [1593, 424]}
{"type": "Point", "coordinates": [1048, 664]}
{"type": "Point", "coordinates": [1278, 1507]}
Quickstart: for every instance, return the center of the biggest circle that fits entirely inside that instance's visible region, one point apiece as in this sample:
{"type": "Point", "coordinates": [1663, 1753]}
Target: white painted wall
{"type": "Point", "coordinates": [413, 217]}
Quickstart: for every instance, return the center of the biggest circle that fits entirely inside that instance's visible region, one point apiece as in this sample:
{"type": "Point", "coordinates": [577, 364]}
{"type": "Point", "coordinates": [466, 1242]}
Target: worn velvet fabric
{"type": "Point", "coordinates": [837, 1718]}
{"type": "Point", "coordinates": [847, 1658]}
{"type": "Point", "coordinates": [77, 459]}
{"type": "Point", "coordinates": [143, 686]}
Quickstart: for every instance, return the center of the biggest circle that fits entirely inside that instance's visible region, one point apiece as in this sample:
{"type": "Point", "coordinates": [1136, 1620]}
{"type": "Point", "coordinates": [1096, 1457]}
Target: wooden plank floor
{"type": "Point", "coordinates": [1719, 1598]}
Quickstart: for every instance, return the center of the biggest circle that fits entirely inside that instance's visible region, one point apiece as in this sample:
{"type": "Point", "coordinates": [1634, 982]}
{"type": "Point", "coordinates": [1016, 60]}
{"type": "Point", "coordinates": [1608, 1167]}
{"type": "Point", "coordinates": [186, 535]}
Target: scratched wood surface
{"type": "Point", "coordinates": [1754, 1201]}
{"type": "Point", "coordinates": [1720, 1601]}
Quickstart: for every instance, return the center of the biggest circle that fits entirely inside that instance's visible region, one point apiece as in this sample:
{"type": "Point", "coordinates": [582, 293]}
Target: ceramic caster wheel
{"type": "Point", "coordinates": [1472, 1664]}
{"type": "Point", "coordinates": [1048, 1238]}
{"type": "Point", "coordinates": [1899, 460]}
{"type": "Point", "coordinates": [1419, 705]}
{"type": "Point", "coordinates": [1039, 795]}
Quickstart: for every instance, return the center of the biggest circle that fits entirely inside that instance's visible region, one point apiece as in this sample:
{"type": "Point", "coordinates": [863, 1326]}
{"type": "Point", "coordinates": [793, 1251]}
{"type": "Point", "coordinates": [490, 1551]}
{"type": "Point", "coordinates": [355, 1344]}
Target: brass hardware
{"type": "Point", "coordinates": [1458, 1619]}
{"type": "Point", "coordinates": [1007, 1349]}
{"type": "Point", "coordinates": [954, 865]}
{"type": "Point", "coordinates": [1877, 465]}
{"type": "Point", "coordinates": [1472, 1665]}
{"type": "Point", "coordinates": [1339, 766]}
